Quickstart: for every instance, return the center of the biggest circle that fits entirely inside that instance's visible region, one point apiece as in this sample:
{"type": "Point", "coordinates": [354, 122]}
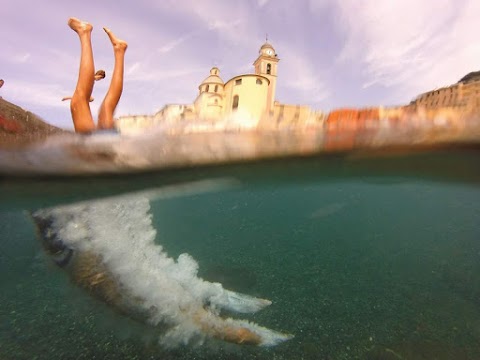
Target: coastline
{"type": "Point", "coordinates": [30, 146]}
{"type": "Point", "coordinates": [20, 128]}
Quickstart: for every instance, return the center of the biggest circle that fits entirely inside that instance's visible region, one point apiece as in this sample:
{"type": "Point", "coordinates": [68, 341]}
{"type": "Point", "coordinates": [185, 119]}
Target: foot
{"type": "Point", "coordinates": [118, 44]}
{"type": "Point", "coordinates": [79, 26]}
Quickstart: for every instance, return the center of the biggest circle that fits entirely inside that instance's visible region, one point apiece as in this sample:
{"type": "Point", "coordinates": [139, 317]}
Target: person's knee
{"type": "Point", "coordinates": [75, 103]}
{"type": "Point", "coordinates": [107, 108]}
{"type": "Point", "coordinates": [80, 95]}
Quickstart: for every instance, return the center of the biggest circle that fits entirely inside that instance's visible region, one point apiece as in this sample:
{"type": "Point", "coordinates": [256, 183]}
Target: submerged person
{"type": "Point", "coordinates": [109, 248]}
{"type": "Point", "coordinates": [79, 105]}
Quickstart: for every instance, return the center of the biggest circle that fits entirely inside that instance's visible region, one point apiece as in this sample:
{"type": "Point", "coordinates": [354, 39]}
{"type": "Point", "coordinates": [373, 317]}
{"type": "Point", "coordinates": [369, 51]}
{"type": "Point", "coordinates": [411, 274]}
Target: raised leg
{"type": "Point", "coordinates": [105, 113]}
{"type": "Point", "coordinates": [79, 106]}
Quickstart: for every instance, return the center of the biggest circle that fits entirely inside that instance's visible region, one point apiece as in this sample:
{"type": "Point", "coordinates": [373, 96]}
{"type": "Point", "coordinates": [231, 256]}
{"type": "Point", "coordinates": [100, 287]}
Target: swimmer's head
{"type": "Point", "coordinates": [99, 75]}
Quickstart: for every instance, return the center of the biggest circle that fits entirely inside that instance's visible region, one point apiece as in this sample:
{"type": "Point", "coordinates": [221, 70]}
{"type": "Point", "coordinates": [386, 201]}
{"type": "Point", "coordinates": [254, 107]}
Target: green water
{"type": "Point", "coordinates": [357, 267]}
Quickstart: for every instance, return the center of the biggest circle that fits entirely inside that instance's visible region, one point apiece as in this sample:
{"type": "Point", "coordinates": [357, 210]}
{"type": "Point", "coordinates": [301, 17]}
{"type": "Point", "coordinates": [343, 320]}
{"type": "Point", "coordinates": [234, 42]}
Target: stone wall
{"type": "Point", "coordinates": [463, 95]}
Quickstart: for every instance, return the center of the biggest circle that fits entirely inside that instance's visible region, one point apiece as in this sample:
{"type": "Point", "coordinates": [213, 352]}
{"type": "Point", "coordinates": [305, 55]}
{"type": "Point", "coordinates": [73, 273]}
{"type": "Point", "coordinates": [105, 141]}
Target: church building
{"type": "Point", "coordinates": [248, 96]}
{"type": "Point", "coordinates": [247, 100]}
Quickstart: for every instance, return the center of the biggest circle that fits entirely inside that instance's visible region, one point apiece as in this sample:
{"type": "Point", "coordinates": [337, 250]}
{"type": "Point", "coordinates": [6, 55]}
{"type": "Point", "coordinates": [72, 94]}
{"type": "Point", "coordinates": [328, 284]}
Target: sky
{"type": "Point", "coordinates": [332, 54]}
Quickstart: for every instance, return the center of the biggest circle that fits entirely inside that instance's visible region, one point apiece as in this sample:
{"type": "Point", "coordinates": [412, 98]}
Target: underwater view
{"type": "Point", "coordinates": [361, 266]}
{"type": "Point", "coordinates": [240, 180]}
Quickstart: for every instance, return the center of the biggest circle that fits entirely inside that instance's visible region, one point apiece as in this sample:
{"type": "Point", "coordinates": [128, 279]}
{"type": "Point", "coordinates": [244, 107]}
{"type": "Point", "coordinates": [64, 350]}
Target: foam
{"type": "Point", "coordinates": [119, 230]}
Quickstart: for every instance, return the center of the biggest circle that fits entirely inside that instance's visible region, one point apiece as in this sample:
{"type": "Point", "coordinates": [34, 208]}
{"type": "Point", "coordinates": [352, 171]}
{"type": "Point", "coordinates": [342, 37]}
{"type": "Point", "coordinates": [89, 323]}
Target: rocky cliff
{"type": "Point", "coordinates": [19, 127]}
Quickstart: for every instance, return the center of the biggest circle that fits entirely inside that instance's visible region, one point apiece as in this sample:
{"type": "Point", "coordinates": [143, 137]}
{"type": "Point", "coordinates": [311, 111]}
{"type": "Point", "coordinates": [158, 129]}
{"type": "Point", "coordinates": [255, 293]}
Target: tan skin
{"type": "Point", "coordinates": [79, 105]}
{"type": "Point", "coordinates": [83, 122]}
{"type": "Point", "coordinates": [99, 75]}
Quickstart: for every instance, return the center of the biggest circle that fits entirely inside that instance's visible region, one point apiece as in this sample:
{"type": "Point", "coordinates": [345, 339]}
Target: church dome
{"type": "Point", "coordinates": [266, 45]}
{"type": "Point", "coordinates": [267, 49]}
{"type": "Point", "coordinates": [214, 77]}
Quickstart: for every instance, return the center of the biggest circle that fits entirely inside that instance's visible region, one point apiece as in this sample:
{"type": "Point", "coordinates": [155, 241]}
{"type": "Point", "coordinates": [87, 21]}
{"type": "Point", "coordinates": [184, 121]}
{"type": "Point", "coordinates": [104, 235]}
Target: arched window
{"type": "Point", "coordinates": [216, 88]}
{"type": "Point", "coordinates": [269, 68]}
{"type": "Point", "coordinates": [208, 86]}
{"type": "Point", "coordinates": [235, 102]}
{"type": "Point", "coordinates": [259, 82]}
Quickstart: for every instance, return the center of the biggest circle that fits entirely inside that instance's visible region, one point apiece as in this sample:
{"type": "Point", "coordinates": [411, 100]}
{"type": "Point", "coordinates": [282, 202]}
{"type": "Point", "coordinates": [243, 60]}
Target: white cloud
{"type": "Point", "coordinates": [233, 22]}
{"type": "Point", "coordinates": [174, 43]}
{"type": "Point", "coordinates": [132, 70]}
{"type": "Point", "coordinates": [300, 75]}
{"type": "Point", "coordinates": [42, 94]}
{"type": "Point", "coordinates": [21, 58]}
{"type": "Point", "coordinates": [409, 45]}
{"type": "Point", "coordinates": [156, 77]}
{"type": "Point", "coordinates": [42, 99]}
{"type": "Point", "coordinates": [318, 5]}
{"type": "Point", "coordinates": [159, 70]}
{"type": "Point", "coordinates": [222, 24]}
{"type": "Point", "coordinates": [262, 3]}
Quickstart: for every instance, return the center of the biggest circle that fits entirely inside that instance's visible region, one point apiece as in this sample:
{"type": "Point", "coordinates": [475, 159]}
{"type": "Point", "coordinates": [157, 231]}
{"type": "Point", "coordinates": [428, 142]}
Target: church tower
{"type": "Point", "coordinates": [266, 65]}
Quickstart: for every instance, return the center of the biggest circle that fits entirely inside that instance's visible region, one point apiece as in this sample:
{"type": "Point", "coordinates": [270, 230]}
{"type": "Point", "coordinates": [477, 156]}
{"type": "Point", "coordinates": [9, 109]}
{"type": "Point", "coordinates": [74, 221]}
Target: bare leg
{"type": "Point", "coordinates": [105, 113]}
{"type": "Point", "coordinates": [79, 106]}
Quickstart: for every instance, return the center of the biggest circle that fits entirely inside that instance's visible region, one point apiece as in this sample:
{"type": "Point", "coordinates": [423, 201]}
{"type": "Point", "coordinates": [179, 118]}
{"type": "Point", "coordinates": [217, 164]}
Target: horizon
{"type": "Point", "coordinates": [333, 53]}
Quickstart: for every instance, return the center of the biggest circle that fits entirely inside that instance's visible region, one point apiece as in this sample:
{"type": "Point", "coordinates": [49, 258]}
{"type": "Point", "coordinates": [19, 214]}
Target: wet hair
{"type": "Point", "coordinates": [100, 73]}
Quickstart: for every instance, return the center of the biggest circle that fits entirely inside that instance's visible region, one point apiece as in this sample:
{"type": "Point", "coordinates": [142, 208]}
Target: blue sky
{"type": "Point", "coordinates": [333, 53]}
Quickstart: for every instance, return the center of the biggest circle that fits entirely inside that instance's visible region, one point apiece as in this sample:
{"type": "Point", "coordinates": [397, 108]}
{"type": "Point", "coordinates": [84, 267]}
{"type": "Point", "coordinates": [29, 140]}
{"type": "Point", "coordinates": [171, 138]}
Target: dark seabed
{"type": "Point", "coordinates": [357, 267]}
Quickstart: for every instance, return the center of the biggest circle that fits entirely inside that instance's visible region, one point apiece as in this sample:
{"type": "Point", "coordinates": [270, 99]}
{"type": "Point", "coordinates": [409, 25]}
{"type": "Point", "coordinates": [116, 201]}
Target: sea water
{"type": "Point", "coordinates": [357, 265]}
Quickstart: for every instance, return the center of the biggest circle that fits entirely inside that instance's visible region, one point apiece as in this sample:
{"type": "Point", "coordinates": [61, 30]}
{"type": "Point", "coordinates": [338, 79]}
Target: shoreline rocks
{"type": "Point", "coordinates": [19, 127]}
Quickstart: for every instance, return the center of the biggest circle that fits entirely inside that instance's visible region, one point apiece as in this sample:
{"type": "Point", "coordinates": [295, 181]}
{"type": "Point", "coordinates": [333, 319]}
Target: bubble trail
{"type": "Point", "coordinates": [108, 248]}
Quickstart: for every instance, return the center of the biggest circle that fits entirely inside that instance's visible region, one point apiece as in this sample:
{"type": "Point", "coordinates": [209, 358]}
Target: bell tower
{"type": "Point", "coordinates": [266, 65]}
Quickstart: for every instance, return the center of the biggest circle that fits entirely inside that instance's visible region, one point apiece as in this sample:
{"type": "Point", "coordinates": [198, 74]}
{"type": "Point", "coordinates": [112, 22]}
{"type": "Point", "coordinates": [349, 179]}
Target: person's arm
{"type": "Point", "coordinates": [70, 98]}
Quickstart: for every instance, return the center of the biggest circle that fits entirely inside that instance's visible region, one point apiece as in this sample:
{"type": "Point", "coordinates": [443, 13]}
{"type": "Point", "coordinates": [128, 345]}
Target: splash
{"type": "Point", "coordinates": [108, 248]}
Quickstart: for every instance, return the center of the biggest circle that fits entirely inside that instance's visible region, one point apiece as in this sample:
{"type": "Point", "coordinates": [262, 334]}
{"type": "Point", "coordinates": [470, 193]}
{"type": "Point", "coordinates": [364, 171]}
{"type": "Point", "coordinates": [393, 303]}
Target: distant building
{"type": "Point", "coordinates": [465, 94]}
{"type": "Point", "coordinates": [246, 100]}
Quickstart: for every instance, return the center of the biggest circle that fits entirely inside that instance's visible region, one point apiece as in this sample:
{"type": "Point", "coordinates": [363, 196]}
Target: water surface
{"type": "Point", "coordinates": [371, 265]}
